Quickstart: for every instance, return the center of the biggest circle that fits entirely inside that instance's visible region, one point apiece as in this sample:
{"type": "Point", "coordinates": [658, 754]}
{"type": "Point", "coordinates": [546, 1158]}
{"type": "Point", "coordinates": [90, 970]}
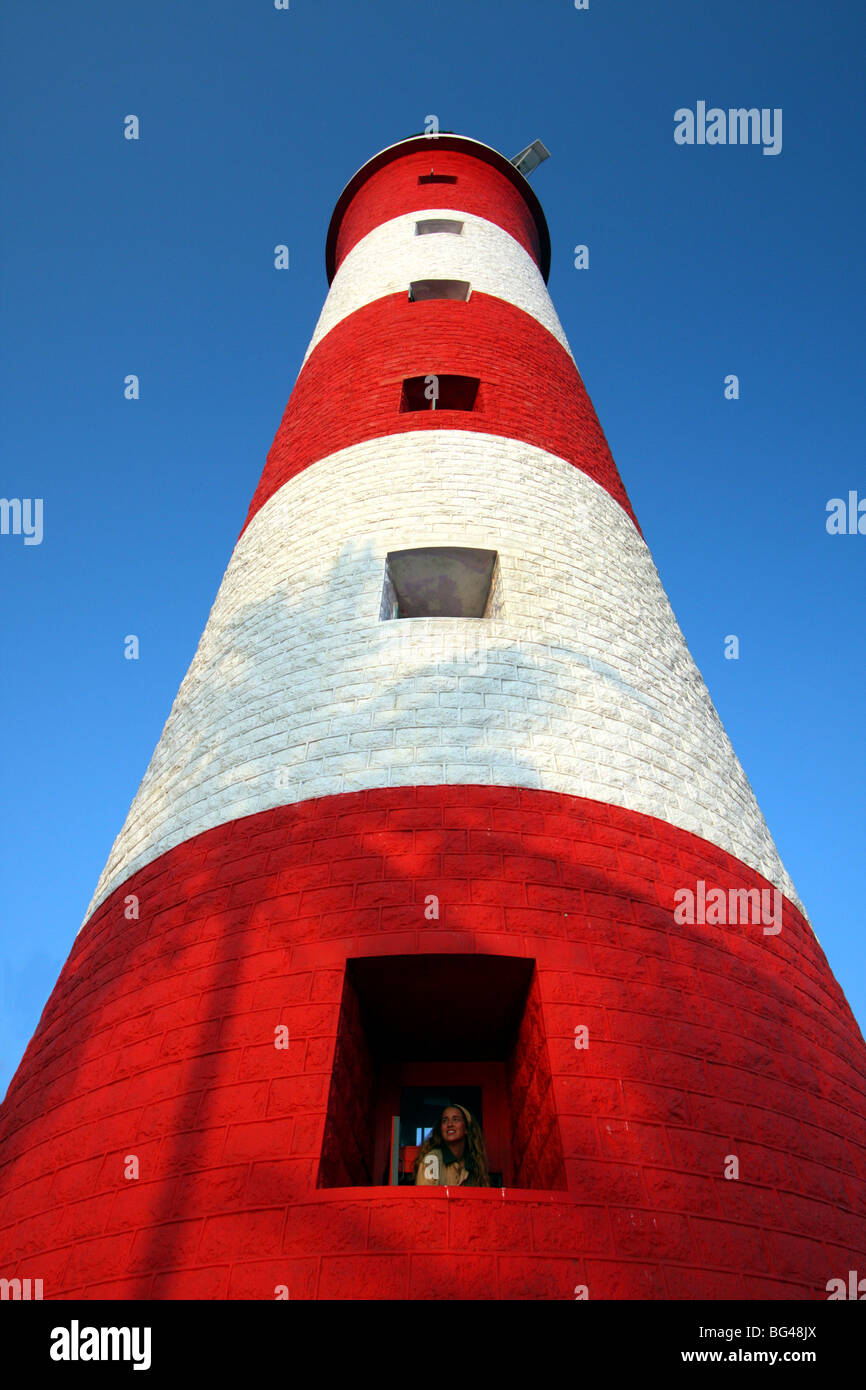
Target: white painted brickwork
{"type": "Point", "coordinates": [389, 257]}
{"type": "Point", "coordinates": [584, 685]}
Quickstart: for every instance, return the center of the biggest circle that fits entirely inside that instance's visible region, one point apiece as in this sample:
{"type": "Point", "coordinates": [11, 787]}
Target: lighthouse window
{"type": "Point", "coordinates": [438, 289]}
{"type": "Point", "coordinates": [432, 392]}
{"type": "Point", "coordinates": [429, 225]}
{"type": "Point", "coordinates": [437, 178]}
{"type": "Point", "coordinates": [419, 1032]}
{"type": "Point", "coordinates": [439, 581]}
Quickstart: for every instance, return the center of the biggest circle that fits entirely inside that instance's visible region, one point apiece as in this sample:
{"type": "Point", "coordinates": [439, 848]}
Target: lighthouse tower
{"type": "Point", "coordinates": [442, 812]}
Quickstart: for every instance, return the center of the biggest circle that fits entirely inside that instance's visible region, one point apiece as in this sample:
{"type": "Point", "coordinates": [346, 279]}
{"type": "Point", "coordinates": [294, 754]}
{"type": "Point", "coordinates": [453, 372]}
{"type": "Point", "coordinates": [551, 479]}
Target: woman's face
{"type": "Point", "coordinates": [453, 1125]}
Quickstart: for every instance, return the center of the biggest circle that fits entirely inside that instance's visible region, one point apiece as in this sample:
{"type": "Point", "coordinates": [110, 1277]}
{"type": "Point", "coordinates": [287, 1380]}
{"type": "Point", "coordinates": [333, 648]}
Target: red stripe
{"type": "Point", "coordinates": [349, 389]}
{"type": "Point", "coordinates": [158, 1042]}
{"type": "Point", "coordinates": [394, 190]}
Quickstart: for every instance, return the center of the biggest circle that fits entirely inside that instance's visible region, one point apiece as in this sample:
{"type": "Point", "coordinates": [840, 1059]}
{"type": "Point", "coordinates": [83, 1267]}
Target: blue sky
{"type": "Point", "coordinates": [156, 257]}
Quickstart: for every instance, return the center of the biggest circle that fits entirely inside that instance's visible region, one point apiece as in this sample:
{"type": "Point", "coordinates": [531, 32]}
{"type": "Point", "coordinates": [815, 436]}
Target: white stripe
{"type": "Point", "coordinates": [391, 255]}
{"type": "Point", "coordinates": [584, 685]}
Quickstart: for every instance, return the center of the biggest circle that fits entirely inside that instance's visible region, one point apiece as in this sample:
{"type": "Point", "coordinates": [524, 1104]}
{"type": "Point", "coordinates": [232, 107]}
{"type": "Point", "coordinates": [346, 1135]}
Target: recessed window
{"type": "Point", "coordinates": [430, 225]}
{"type": "Point", "coordinates": [438, 289]}
{"type": "Point", "coordinates": [418, 1032]}
{"type": "Point", "coordinates": [433, 392]}
{"type": "Point", "coordinates": [437, 178]}
{"type": "Point", "coordinates": [440, 581]}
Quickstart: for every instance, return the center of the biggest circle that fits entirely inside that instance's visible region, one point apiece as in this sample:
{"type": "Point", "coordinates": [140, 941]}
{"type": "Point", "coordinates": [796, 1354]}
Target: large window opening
{"type": "Point", "coordinates": [418, 1032]}
{"type": "Point", "coordinates": [434, 392]}
{"type": "Point", "coordinates": [437, 178]}
{"type": "Point", "coordinates": [441, 581]}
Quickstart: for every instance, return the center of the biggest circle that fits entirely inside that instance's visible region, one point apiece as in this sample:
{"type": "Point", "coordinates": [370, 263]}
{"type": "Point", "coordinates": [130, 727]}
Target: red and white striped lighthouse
{"type": "Point", "coordinates": [442, 812]}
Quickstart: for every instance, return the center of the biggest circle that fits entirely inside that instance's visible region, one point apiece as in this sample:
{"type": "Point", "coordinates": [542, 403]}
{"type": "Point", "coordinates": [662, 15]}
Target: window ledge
{"type": "Point", "coordinates": [475, 1194]}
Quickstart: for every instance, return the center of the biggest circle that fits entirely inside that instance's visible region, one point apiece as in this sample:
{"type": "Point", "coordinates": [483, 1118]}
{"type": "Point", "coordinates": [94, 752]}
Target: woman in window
{"type": "Point", "coordinates": [454, 1155]}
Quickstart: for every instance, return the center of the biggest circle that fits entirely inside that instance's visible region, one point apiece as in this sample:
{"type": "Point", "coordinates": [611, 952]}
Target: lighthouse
{"type": "Point", "coordinates": [442, 815]}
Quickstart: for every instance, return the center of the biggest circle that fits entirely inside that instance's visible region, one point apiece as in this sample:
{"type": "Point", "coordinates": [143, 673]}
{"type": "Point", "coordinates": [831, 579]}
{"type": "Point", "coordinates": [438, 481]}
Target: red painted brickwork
{"type": "Point", "coordinates": [350, 387]}
{"type": "Point", "coordinates": [348, 1133]}
{"type": "Point", "coordinates": [158, 1041]}
{"type": "Point", "coordinates": [536, 1145]}
{"type": "Point", "coordinates": [395, 190]}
